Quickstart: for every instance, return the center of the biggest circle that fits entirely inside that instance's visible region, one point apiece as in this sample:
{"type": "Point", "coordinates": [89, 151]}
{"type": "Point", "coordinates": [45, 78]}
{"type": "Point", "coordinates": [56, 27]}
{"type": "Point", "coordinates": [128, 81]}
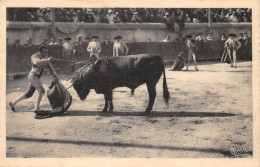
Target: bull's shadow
{"type": "Point", "coordinates": [151, 114]}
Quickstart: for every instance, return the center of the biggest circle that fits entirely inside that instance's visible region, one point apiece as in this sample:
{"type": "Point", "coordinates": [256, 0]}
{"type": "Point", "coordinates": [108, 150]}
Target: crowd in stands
{"type": "Point", "coordinates": [132, 15]}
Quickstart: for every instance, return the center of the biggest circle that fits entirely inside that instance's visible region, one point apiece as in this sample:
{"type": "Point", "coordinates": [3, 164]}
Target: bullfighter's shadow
{"type": "Point", "coordinates": [151, 114]}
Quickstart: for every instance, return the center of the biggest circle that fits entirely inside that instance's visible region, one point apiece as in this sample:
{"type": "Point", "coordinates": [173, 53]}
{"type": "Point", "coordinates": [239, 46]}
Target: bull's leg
{"type": "Point", "coordinates": [152, 94]}
{"type": "Point", "coordinates": [132, 92]}
{"type": "Point", "coordinates": [110, 101]}
{"type": "Point", "coordinates": [106, 104]}
{"type": "Point", "coordinates": [111, 107]}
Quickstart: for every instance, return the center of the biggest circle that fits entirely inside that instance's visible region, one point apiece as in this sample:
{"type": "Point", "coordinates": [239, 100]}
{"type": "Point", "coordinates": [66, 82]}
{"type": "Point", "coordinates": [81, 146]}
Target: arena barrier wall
{"type": "Point", "coordinates": [19, 57]}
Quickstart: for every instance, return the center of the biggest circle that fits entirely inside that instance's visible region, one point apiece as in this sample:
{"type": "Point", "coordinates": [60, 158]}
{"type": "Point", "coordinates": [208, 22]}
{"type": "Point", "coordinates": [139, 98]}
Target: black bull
{"type": "Point", "coordinates": [130, 71]}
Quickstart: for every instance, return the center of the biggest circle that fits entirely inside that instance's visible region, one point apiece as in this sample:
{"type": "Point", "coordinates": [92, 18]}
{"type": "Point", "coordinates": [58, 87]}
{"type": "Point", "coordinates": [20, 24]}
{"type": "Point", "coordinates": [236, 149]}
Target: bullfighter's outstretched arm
{"type": "Point", "coordinates": [52, 70]}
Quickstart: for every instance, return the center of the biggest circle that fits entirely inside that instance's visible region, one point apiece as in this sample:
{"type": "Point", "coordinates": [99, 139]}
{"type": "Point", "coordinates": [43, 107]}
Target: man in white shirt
{"type": "Point", "coordinates": [119, 48]}
{"type": "Point", "coordinates": [94, 48]}
{"type": "Point", "coordinates": [40, 61]}
{"type": "Point", "coordinates": [110, 17]}
{"type": "Point", "coordinates": [232, 45]}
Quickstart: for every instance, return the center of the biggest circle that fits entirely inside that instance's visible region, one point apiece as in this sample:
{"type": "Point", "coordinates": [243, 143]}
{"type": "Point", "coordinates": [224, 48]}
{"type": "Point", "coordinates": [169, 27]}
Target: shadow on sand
{"type": "Point", "coordinates": [224, 152]}
{"type": "Point", "coordinates": [151, 114]}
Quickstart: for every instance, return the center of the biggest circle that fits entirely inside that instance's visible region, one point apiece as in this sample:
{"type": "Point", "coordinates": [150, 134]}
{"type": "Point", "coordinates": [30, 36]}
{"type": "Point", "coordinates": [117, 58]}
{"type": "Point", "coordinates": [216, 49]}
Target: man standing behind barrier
{"type": "Point", "coordinates": [29, 42]}
{"type": "Point", "coordinates": [190, 44]}
{"type": "Point", "coordinates": [39, 62]}
{"type": "Point", "coordinates": [167, 39]}
{"type": "Point", "coordinates": [60, 43]}
{"type": "Point", "coordinates": [67, 55]}
{"type": "Point", "coordinates": [200, 37]}
{"type": "Point", "coordinates": [232, 45]}
{"type": "Point", "coordinates": [77, 45]}
{"type": "Point", "coordinates": [119, 48]}
{"type": "Point", "coordinates": [44, 42]}
{"type": "Point", "coordinates": [94, 48]}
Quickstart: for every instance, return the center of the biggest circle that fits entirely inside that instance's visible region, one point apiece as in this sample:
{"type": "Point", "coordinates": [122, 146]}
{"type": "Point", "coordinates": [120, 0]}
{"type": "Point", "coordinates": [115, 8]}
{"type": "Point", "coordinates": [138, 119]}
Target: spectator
{"type": "Point", "coordinates": [89, 18]}
{"type": "Point", "coordinates": [67, 54]}
{"type": "Point", "coordinates": [180, 21]}
{"type": "Point", "coordinates": [195, 19]}
{"type": "Point", "coordinates": [29, 17]}
{"type": "Point", "coordinates": [187, 20]}
{"type": "Point", "coordinates": [159, 17]}
{"type": "Point", "coordinates": [146, 15]}
{"type": "Point", "coordinates": [167, 21]}
{"type": "Point", "coordinates": [103, 16]}
{"type": "Point", "coordinates": [126, 16]}
{"type": "Point", "coordinates": [167, 39]}
{"type": "Point", "coordinates": [28, 42]}
{"type": "Point", "coordinates": [222, 40]}
{"type": "Point", "coordinates": [94, 48]}
{"type": "Point", "coordinates": [59, 42]}
{"type": "Point", "coordinates": [117, 18]}
{"type": "Point", "coordinates": [52, 42]}
{"type": "Point", "coordinates": [81, 18]}
{"type": "Point", "coordinates": [244, 18]}
{"type": "Point", "coordinates": [149, 16]}
{"type": "Point", "coordinates": [241, 35]}
{"type": "Point", "coordinates": [40, 15]}
{"type": "Point", "coordinates": [179, 38]}
{"type": "Point", "coordinates": [68, 17]}
{"type": "Point", "coordinates": [60, 16]}
{"type": "Point", "coordinates": [228, 15]}
{"type": "Point", "coordinates": [209, 37]}
{"type": "Point", "coordinates": [223, 37]}
{"type": "Point", "coordinates": [136, 18]}
{"type": "Point", "coordinates": [96, 16]}
{"type": "Point", "coordinates": [233, 17]}
{"type": "Point", "coordinates": [107, 41]}
{"type": "Point", "coordinates": [141, 13]}
{"type": "Point", "coordinates": [87, 40]}
{"type": "Point", "coordinates": [17, 42]}
{"type": "Point", "coordinates": [48, 15]}
{"type": "Point", "coordinates": [119, 48]}
{"type": "Point", "coordinates": [110, 17]}
{"type": "Point", "coordinates": [200, 37]}
{"type": "Point", "coordinates": [75, 17]}
{"type": "Point", "coordinates": [247, 40]}
{"type": "Point", "coordinates": [239, 15]}
{"type": "Point", "coordinates": [44, 42]}
{"type": "Point", "coordinates": [77, 46]}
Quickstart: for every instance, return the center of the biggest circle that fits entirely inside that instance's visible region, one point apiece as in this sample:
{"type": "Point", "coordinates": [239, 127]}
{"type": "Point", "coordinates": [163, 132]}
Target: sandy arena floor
{"type": "Point", "coordinates": [210, 115]}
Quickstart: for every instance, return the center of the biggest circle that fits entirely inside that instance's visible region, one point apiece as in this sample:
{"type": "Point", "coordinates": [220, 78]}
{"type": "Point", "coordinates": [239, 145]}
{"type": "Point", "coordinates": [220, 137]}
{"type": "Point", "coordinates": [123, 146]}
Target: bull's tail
{"type": "Point", "coordinates": [166, 94]}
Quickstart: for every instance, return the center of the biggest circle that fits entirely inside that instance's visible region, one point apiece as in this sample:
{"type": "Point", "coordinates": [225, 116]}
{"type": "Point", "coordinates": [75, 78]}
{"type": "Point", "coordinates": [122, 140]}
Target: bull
{"type": "Point", "coordinates": [108, 73]}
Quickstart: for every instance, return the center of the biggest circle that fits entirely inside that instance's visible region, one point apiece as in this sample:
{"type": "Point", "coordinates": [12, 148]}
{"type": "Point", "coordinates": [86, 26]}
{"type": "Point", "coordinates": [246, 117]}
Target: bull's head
{"type": "Point", "coordinates": [85, 80]}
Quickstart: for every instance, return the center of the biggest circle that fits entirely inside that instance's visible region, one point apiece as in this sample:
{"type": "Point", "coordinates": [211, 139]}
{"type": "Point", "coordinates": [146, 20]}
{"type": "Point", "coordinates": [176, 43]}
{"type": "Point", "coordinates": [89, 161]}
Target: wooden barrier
{"type": "Point", "coordinates": [19, 57]}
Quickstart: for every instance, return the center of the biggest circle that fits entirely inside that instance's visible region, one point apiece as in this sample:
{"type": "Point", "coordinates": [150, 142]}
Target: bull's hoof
{"type": "Point", "coordinates": [104, 110]}
{"type": "Point", "coordinates": [110, 111]}
{"type": "Point", "coordinates": [146, 113]}
{"type": "Point", "coordinates": [148, 110]}
{"type": "Point", "coordinates": [132, 93]}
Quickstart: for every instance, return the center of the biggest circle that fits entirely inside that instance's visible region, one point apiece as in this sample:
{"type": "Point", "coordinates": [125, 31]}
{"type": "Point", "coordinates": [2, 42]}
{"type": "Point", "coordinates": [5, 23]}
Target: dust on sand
{"type": "Point", "coordinates": [210, 115]}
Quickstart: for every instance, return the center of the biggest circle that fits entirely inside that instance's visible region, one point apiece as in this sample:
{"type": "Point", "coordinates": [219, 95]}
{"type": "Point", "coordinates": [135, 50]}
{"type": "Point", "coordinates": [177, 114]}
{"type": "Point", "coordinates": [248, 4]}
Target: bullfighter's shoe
{"type": "Point", "coordinates": [12, 106]}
